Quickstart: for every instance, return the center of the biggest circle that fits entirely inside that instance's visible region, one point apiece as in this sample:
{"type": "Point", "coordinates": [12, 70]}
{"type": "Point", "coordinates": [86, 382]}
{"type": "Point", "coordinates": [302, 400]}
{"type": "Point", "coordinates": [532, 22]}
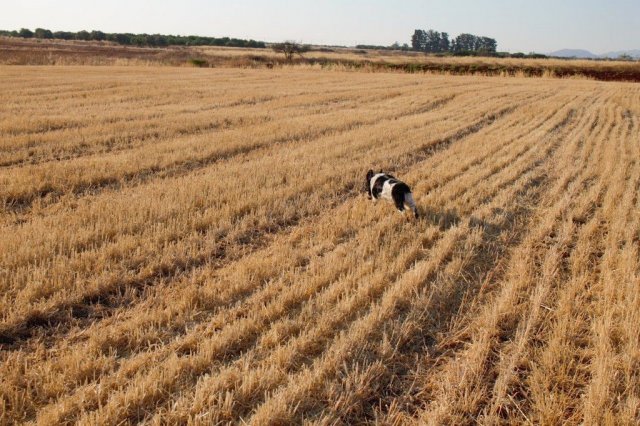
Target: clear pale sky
{"type": "Point", "coordinates": [517, 25]}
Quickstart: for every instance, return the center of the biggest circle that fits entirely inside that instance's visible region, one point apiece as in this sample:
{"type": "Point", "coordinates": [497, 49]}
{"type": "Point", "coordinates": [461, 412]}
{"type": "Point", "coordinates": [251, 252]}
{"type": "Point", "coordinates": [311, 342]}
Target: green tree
{"type": "Point", "coordinates": [444, 42]}
{"type": "Point", "coordinates": [157, 40]}
{"type": "Point", "coordinates": [63, 35]}
{"type": "Point", "coordinates": [466, 43]}
{"type": "Point", "coordinates": [25, 33]}
{"type": "Point", "coordinates": [83, 35]}
{"type": "Point", "coordinates": [290, 49]}
{"type": "Point", "coordinates": [486, 45]}
{"type": "Point", "coordinates": [42, 33]}
{"type": "Point", "coordinates": [418, 40]}
{"type": "Point", "coordinates": [97, 35]}
{"type": "Point", "coordinates": [432, 41]}
{"type": "Point", "coordinates": [120, 38]}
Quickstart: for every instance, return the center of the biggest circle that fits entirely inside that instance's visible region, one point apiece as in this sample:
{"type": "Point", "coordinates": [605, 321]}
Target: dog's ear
{"type": "Point", "coordinates": [367, 183]}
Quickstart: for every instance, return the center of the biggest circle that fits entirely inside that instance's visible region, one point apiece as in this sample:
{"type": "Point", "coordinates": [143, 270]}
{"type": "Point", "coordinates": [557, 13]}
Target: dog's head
{"type": "Point", "coordinates": [370, 174]}
{"type": "Point", "coordinates": [367, 182]}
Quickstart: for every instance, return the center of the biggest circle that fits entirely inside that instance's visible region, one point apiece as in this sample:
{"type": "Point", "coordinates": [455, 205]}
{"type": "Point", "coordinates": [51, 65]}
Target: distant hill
{"type": "Point", "coordinates": [634, 53]}
{"type": "Point", "coordinates": [573, 53]}
{"type": "Point", "coordinates": [581, 53]}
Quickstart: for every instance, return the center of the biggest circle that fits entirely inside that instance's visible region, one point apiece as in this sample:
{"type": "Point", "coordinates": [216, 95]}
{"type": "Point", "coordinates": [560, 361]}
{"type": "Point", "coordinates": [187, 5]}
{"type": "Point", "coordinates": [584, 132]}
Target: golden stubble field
{"type": "Point", "coordinates": [193, 246]}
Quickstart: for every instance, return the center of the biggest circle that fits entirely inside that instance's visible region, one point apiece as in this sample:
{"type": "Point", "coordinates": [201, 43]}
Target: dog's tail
{"type": "Point", "coordinates": [408, 199]}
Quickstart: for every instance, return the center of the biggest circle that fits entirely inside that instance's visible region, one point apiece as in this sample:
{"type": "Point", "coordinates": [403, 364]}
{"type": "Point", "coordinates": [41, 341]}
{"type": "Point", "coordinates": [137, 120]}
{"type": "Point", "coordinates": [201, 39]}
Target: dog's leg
{"type": "Point", "coordinates": [399, 202]}
{"type": "Point", "coordinates": [408, 199]}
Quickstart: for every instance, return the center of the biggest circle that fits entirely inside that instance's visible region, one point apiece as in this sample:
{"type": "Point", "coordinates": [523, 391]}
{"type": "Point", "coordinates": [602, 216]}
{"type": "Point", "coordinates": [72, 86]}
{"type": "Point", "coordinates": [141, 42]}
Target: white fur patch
{"type": "Point", "coordinates": [386, 187]}
{"type": "Point", "coordinates": [386, 191]}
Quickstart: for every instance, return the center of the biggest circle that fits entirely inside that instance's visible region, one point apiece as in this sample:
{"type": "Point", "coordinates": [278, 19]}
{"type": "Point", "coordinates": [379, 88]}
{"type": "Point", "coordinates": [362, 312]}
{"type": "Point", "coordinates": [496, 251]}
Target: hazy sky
{"type": "Point", "coordinates": [517, 25]}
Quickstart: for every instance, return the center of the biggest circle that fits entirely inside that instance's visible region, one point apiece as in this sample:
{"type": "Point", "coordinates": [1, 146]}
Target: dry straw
{"type": "Point", "coordinates": [183, 245]}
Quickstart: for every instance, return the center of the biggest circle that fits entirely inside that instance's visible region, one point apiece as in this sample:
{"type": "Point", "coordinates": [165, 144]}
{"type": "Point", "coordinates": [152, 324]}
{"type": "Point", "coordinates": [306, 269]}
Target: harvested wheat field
{"type": "Point", "coordinates": [193, 246]}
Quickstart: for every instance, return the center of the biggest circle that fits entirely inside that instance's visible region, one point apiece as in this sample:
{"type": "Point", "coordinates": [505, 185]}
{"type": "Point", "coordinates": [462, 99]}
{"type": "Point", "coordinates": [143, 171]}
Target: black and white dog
{"type": "Point", "coordinates": [383, 185]}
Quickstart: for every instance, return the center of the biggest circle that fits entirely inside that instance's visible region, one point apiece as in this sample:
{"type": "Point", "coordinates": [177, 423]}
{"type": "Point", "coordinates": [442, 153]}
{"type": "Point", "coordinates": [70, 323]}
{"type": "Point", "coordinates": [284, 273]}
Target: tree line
{"type": "Point", "coordinates": [394, 46]}
{"type": "Point", "coordinates": [129, 39]}
{"type": "Point", "coordinates": [431, 41]}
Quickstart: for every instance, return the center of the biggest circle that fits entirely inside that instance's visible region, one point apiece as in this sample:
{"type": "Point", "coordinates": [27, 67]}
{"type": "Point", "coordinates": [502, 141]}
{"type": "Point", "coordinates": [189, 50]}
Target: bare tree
{"type": "Point", "coordinates": [290, 49]}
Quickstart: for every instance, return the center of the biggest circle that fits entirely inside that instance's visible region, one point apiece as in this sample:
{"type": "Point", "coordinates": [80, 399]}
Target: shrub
{"type": "Point", "coordinates": [200, 63]}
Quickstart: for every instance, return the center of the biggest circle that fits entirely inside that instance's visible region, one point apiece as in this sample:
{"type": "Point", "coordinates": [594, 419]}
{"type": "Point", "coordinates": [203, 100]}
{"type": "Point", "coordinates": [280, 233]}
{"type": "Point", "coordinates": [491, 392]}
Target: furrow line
{"type": "Point", "coordinates": [570, 182]}
{"type": "Point", "coordinates": [225, 321]}
{"type": "Point", "coordinates": [18, 331]}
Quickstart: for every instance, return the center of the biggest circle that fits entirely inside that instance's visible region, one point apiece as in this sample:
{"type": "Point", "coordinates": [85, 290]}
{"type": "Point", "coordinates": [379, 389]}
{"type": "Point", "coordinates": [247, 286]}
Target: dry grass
{"type": "Point", "coordinates": [15, 51]}
{"type": "Point", "coordinates": [191, 246]}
